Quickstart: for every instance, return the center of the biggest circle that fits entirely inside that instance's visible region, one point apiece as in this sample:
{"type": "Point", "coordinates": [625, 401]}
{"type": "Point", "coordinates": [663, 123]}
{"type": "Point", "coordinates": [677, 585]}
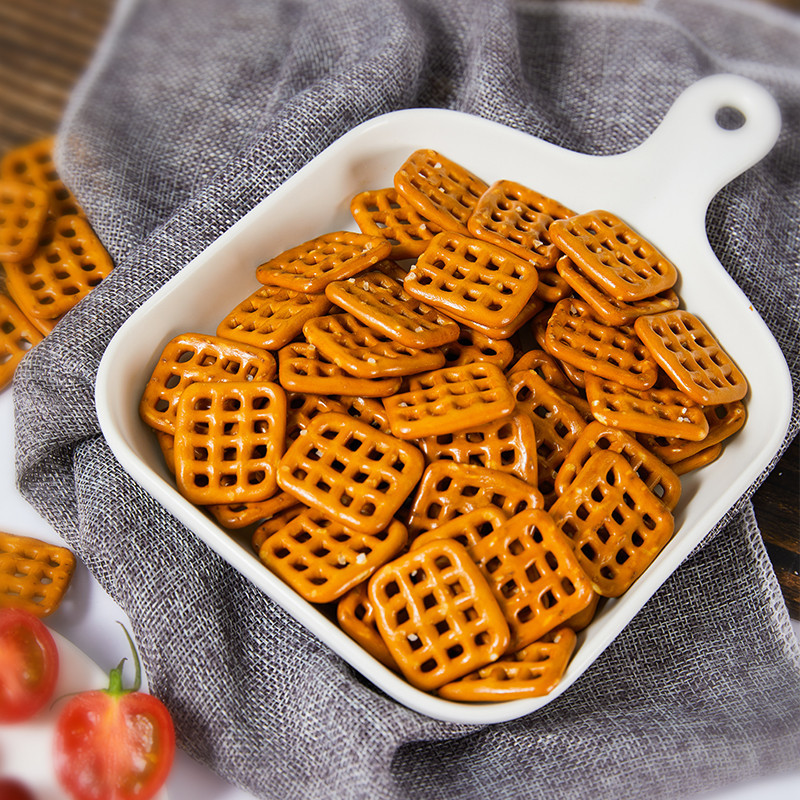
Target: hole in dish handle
{"type": "Point", "coordinates": [716, 129]}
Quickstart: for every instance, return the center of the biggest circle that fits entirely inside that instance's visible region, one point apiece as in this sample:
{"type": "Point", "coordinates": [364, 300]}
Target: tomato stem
{"type": "Point", "coordinates": [115, 684]}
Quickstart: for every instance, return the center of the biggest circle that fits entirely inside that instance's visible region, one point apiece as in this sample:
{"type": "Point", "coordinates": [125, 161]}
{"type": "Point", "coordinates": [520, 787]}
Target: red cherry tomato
{"type": "Point", "coordinates": [28, 665]}
{"type": "Point", "coordinates": [14, 790]}
{"type": "Point", "coordinates": [114, 744]}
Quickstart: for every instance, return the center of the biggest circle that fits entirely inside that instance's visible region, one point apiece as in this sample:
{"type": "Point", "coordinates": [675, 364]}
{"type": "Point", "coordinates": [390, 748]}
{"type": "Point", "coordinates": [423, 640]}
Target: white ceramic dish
{"type": "Point", "coordinates": [662, 188]}
{"type": "Point", "coordinates": [26, 747]}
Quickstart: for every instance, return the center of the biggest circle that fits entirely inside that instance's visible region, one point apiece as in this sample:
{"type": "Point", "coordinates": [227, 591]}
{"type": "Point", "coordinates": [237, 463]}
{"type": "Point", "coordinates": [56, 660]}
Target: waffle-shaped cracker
{"type": "Point", "coordinates": [380, 302]}
{"type": "Point", "coordinates": [516, 218]}
{"type": "Point", "coordinates": [534, 574]}
{"type": "Point", "coordinates": [33, 164]}
{"type": "Point", "coordinates": [17, 336]}
{"type": "Point", "coordinates": [613, 255]}
{"type": "Point", "coordinates": [556, 422]}
{"type": "Point", "coordinates": [472, 345]}
{"type": "Point", "coordinates": [449, 490]}
{"type": "Point", "coordinates": [687, 351]}
{"type": "Point", "coordinates": [449, 400]}
{"type": "Point", "coordinates": [608, 309]}
{"type": "Point", "coordinates": [723, 421]}
{"type": "Point", "coordinates": [440, 189]}
{"type": "Point", "coordinates": [23, 211]}
{"type": "Point", "coordinates": [473, 280]}
{"type": "Point", "coordinates": [302, 407]}
{"type": "Point", "coordinates": [546, 367]}
{"type": "Point", "coordinates": [660, 412]}
{"type": "Point", "coordinates": [367, 410]}
{"type": "Point", "coordinates": [272, 316]}
{"type": "Point", "coordinates": [364, 353]}
{"type": "Point", "coordinates": [437, 614]}
{"type": "Point", "coordinates": [699, 459]}
{"type": "Point", "coordinates": [229, 436]}
{"type": "Point", "coordinates": [242, 515]}
{"type": "Point", "coordinates": [616, 524]}
{"type": "Point", "coordinates": [657, 476]}
{"type": "Point", "coordinates": [575, 338]}
{"type": "Point", "coordinates": [322, 560]}
{"type": "Point", "coordinates": [356, 617]}
{"type": "Point", "coordinates": [311, 266]}
{"type": "Point", "coordinates": [33, 574]}
{"type": "Point", "coordinates": [25, 305]}
{"type": "Point", "coordinates": [467, 530]}
{"type": "Point", "coordinates": [70, 261]}
{"type": "Point", "coordinates": [534, 671]}
{"type": "Point", "coordinates": [507, 445]}
{"type": "Point", "coordinates": [193, 357]}
{"type": "Point", "coordinates": [387, 214]}
{"type": "Point", "coordinates": [302, 368]}
{"type": "Point", "coordinates": [350, 471]}
{"type": "Point", "coordinates": [529, 310]}
{"type": "Point", "coordinates": [552, 287]}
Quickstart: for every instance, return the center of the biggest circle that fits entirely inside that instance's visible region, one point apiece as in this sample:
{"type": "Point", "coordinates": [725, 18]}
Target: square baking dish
{"type": "Point", "coordinates": [661, 188]}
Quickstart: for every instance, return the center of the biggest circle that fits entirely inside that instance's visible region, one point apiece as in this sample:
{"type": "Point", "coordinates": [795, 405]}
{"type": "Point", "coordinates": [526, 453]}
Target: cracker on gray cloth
{"type": "Point", "coordinates": [191, 113]}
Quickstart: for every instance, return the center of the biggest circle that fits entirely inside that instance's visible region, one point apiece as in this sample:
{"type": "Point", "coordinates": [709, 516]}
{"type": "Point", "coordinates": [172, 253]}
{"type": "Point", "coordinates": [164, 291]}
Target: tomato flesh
{"type": "Point", "coordinates": [28, 665]}
{"type": "Point", "coordinates": [11, 789]}
{"type": "Point", "coordinates": [114, 747]}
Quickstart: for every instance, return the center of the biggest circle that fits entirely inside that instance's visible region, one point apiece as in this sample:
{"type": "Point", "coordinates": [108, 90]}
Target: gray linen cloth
{"type": "Point", "coordinates": [193, 111]}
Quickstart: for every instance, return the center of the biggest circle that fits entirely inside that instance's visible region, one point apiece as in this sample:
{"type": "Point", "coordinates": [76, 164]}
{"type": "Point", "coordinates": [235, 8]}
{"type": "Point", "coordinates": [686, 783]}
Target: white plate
{"type": "Point", "coordinates": [662, 188]}
{"type": "Point", "coordinates": [26, 747]}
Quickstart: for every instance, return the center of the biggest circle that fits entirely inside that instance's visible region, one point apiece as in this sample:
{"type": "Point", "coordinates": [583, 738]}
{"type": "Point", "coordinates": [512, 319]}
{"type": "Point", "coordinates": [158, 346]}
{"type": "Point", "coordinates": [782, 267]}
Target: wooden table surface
{"type": "Point", "coordinates": [44, 47]}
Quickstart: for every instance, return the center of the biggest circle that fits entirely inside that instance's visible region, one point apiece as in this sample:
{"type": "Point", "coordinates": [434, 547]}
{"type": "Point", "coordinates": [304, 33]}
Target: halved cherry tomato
{"type": "Point", "coordinates": [28, 665]}
{"type": "Point", "coordinates": [11, 789]}
{"type": "Point", "coordinates": [114, 744]}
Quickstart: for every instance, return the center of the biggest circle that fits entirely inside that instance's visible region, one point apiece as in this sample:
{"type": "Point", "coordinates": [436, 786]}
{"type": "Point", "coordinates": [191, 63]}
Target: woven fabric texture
{"type": "Point", "coordinates": [192, 112]}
